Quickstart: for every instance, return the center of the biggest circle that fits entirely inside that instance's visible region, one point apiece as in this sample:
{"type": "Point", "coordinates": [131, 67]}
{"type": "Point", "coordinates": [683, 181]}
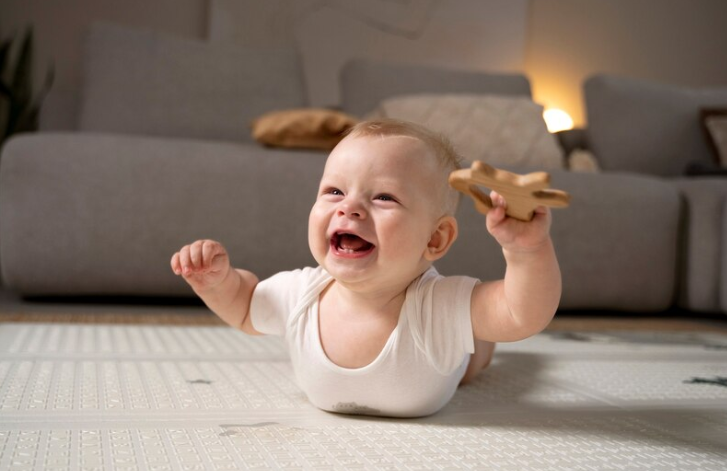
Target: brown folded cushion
{"type": "Point", "coordinates": [308, 128]}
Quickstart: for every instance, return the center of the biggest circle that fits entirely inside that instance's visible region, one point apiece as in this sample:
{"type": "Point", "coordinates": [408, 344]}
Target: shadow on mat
{"type": "Point", "coordinates": [513, 394]}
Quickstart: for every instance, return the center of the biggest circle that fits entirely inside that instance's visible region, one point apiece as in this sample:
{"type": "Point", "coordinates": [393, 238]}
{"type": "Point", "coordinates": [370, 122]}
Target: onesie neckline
{"type": "Point", "coordinates": [388, 346]}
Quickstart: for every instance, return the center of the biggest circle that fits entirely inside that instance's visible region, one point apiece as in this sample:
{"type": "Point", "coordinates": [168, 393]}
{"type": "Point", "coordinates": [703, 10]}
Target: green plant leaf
{"type": "Point", "coordinates": [48, 84]}
{"type": "Point", "coordinates": [4, 90]}
{"type": "Point", "coordinates": [29, 119]}
{"type": "Point", "coordinates": [19, 109]}
{"type": "Point", "coordinates": [22, 84]}
{"type": "Point", "coordinates": [4, 57]}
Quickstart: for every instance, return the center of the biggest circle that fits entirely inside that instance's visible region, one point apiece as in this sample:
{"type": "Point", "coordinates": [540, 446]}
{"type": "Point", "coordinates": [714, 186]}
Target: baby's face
{"type": "Point", "coordinates": [378, 204]}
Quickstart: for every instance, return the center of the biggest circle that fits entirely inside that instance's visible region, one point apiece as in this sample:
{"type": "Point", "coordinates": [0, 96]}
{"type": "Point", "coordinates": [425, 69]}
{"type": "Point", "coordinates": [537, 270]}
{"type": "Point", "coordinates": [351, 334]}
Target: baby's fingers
{"type": "Point", "coordinates": [498, 199]}
{"type": "Point", "coordinates": [213, 253]}
{"type": "Point", "coordinates": [185, 261]}
{"type": "Point", "coordinates": [542, 210]}
{"type": "Point", "coordinates": [210, 249]}
{"type": "Point", "coordinates": [202, 253]}
{"type": "Point", "coordinates": [198, 257]}
{"type": "Point", "coordinates": [195, 255]}
{"type": "Point", "coordinates": [176, 265]}
{"type": "Point", "coordinates": [190, 258]}
{"type": "Point", "coordinates": [497, 213]}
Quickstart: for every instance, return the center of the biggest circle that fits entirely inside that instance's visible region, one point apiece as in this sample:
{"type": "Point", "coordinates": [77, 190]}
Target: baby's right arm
{"type": "Point", "coordinates": [205, 265]}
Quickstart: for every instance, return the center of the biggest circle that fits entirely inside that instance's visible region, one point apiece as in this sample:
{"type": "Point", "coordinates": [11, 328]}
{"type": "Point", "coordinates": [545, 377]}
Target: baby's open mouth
{"type": "Point", "coordinates": [350, 243]}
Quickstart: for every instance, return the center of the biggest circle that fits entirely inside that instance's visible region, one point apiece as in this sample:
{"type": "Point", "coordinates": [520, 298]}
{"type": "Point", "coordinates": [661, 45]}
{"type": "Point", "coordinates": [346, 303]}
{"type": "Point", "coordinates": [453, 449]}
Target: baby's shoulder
{"type": "Point", "coordinates": [298, 283]}
{"type": "Point", "coordinates": [285, 290]}
{"type": "Point", "coordinates": [432, 282]}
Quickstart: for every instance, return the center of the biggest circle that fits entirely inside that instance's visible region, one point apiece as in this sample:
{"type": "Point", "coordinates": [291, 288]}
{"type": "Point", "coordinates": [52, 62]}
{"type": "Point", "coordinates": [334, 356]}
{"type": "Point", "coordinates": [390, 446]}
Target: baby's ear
{"type": "Point", "coordinates": [442, 238]}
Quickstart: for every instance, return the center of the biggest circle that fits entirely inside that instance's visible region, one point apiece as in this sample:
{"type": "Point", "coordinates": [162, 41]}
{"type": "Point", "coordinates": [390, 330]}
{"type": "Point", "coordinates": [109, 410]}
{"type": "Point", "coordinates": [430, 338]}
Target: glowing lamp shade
{"type": "Point", "coordinates": [557, 120]}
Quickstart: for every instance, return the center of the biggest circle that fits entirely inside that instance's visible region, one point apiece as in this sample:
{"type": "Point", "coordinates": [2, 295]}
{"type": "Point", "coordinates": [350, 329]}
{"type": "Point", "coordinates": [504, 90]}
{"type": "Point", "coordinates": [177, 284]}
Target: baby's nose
{"type": "Point", "coordinates": [351, 209]}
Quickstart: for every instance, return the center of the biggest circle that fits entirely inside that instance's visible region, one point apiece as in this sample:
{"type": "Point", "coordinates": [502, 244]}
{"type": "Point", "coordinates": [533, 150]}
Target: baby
{"type": "Point", "coordinates": [374, 329]}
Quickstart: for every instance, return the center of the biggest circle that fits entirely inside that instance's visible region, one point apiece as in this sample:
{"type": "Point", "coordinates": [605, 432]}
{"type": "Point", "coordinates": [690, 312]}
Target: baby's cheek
{"type": "Point", "coordinates": [315, 219]}
{"type": "Point", "coordinates": [413, 239]}
{"type": "Point", "coordinates": [317, 225]}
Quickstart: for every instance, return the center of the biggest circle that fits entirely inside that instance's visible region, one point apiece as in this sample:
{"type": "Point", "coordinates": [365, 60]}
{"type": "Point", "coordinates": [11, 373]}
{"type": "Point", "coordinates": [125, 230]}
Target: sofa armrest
{"type": "Point", "coordinates": [703, 277]}
{"type": "Point", "coordinates": [572, 139]}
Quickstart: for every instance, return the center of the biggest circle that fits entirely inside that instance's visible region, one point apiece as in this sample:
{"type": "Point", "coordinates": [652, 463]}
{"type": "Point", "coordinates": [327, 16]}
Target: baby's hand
{"type": "Point", "coordinates": [515, 235]}
{"type": "Point", "coordinates": [203, 264]}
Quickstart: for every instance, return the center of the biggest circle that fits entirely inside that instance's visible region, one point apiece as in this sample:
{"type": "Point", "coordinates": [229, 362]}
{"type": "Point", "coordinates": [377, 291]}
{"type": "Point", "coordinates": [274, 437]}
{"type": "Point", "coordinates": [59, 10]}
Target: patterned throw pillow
{"type": "Point", "coordinates": [499, 130]}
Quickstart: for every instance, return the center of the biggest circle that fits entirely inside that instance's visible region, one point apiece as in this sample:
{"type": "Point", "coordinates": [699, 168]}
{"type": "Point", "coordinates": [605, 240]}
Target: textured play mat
{"type": "Point", "coordinates": [125, 397]}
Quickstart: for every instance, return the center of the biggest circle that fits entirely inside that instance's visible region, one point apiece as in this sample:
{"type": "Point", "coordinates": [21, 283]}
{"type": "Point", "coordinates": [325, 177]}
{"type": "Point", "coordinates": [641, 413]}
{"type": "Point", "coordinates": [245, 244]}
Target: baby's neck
{"type": "Point", "coordinates": [379, 298]}
{"type": "Point", "coordinates": [384, 302]}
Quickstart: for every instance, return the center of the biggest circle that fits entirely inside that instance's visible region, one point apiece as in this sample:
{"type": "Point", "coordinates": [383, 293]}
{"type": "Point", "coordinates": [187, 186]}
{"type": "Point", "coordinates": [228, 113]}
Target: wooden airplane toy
{"type": "Point", "coordinates": [523, 193]}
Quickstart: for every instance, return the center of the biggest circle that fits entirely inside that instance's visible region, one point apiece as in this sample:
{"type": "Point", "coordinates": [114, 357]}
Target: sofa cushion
{"type": "Point", "coordinates": [499, 130]}
{"type": "Point", "coordinates": [307, 128]}
{"type": "Point", "coordinates": [142, 82]}
{"type": "Point", "coordinates": [647, 127]}
{"type": "Point", "coordinates": [365, 83]}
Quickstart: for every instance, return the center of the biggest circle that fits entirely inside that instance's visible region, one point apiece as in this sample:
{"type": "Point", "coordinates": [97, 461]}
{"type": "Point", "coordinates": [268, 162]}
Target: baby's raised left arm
{"type": "Point", "coordinates": [524, 302]}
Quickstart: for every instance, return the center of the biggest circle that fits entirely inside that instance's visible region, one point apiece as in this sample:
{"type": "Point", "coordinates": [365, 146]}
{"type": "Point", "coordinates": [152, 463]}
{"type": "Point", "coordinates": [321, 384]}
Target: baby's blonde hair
{"type": "Point", "coordinates": [440, 146]}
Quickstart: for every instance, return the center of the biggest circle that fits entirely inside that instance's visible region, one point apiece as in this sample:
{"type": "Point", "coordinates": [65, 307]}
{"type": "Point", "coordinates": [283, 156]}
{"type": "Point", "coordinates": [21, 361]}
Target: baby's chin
{"type": "Point", "coordinates": [363, 272]}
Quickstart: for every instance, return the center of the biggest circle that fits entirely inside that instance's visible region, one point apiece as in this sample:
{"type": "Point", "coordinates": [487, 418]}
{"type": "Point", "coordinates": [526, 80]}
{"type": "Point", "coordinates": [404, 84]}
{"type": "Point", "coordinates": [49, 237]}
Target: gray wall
{"type": "Point", "coordinates": [473, 34]}
{"type": "Point", "coordinates": [682, 42]}
{"type": "Point", "coordinates": [676, 41]}
{"type": "Point", "coordinates": [60, 25]}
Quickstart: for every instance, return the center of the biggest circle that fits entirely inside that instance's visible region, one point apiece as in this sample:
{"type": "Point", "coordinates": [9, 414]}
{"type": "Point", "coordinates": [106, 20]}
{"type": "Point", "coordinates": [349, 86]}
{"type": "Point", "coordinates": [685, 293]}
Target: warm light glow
{"type": "Point", "coordinates": [557, 120]}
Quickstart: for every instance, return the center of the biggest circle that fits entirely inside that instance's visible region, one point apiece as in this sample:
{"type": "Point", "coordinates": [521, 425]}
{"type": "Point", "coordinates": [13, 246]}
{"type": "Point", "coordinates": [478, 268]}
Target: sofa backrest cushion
{"type": "Point", "coordinates": [365, 83]}
{"type": "Point", "coordinates": [646, 127]}
{"type": "Point", "coordinates": [142, 82]}
{"type": "Point", "coordinates": [503, 131]}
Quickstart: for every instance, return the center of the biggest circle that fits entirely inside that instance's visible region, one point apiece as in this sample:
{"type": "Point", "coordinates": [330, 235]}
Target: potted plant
{"type": "Point", "coordinates": [19, 107]}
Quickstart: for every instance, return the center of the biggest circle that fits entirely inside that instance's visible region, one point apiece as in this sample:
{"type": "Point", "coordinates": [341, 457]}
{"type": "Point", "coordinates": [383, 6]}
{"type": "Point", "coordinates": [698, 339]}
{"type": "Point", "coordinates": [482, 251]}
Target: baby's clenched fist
{"type": "Point", "coordinates": [203, 263]}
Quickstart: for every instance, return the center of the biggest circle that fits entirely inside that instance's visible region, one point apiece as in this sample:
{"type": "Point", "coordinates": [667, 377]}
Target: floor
{"type": "Point", "coordinates": [167, 387]}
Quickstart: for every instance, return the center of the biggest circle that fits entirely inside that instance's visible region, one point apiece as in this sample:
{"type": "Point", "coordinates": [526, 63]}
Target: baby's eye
{"type": "Point", "coordinates": [385, 197]}
{"type": "Point", "coordinates": [333, 191]}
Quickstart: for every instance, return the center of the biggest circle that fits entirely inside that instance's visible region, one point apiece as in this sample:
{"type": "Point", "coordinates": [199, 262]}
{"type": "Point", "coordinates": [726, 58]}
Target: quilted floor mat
{"type": "Point", "coordinates": [126, 397]}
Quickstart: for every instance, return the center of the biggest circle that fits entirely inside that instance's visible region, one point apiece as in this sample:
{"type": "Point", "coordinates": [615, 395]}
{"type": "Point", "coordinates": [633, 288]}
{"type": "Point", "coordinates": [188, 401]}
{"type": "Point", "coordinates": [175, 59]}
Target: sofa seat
{"type": "Point", "coordinates": [114, 208]}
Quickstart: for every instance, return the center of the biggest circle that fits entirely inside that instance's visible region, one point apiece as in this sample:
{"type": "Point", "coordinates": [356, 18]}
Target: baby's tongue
{"type": "Point", "coordinates": [352, 242]}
